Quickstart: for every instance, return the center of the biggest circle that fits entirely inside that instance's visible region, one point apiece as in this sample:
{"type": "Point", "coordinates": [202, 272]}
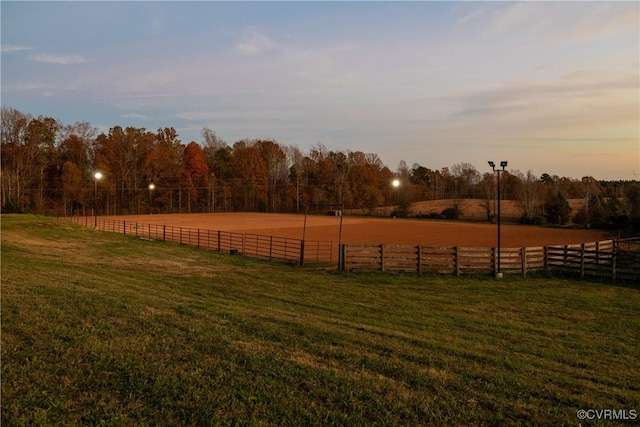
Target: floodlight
{"type": "Point", "coordinates": [493, 165]}
{"type": "Point", "coordinates": [97, 175]}
{"type": "Point", "coordinates": [396, 183]}
{"type": "Point", "coordinates": [503, 164]}
{"type": "Point", "coordinates": [151, 186]}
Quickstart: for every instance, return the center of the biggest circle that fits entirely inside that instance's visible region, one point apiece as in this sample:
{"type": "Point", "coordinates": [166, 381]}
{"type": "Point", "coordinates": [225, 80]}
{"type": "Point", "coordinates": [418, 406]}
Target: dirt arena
{"type": "Point", "coordinates": [375, 230]}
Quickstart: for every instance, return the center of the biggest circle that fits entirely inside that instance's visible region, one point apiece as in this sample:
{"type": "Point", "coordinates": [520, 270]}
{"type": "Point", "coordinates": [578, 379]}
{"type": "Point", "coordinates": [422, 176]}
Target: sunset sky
{"type": "Point", "coordinates": [552, 87]}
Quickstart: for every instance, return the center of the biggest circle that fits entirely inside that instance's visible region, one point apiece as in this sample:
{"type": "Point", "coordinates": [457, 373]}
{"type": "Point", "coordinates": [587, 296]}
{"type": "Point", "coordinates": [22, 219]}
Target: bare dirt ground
{"type": "Point", "coordinates": [375, 230]}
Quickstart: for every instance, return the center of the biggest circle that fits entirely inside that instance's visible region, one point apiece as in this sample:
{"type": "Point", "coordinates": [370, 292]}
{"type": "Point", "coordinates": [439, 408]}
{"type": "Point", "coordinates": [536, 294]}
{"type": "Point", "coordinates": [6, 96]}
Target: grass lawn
{"type": "Point", "coordinates": [101, 328]}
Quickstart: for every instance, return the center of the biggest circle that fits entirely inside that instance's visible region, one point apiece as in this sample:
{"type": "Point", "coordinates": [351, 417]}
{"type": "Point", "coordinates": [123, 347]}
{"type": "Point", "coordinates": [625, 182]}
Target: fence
{"type": "Point", "coordinates": [251, 245]}
{"type": "Point", "coordinates": [617, 260]}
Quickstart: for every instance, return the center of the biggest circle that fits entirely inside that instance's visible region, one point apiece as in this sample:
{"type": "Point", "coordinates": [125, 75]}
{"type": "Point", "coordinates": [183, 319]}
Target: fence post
{"type": "Point", "coordinates": [419, 259]}
{"type": "Point", "coordinates": [545, 258]}
{"type": "Point", "coordinates": [494, 265]}
{"type": "Point", "coordinates": [198, 238]}
{"type": "Point", "coordinates": [456, 257]}
{"type": "Point", "coordinates": [270, 246]}
{"type": "Point", "coordinates": [523, 258]}
{"type": "Point", "coordinates": [218, 240]}
{"type": "Point", "coordinates": [164, 232]}
{"type": "Point", "coordinates": [382, 257]}
{"type": "Point", "coordinates": [301, 251]}
{"type": "Point", "coordinates": [614, 257]}
{"type": "Point", "coordinates": [582, 261]}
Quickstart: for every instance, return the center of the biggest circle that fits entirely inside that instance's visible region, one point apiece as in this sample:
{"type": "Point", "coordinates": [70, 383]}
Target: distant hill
{"type": "Point", "coordinates": [472, 209]}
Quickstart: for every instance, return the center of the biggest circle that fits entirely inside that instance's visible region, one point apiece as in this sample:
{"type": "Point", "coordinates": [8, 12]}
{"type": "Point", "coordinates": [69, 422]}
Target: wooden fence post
{"type": "Point", "coordinates": [301, 252]}
{"type": "Point", "coordinates": [523, 259]}
{"type": "Point", "coordinates": [494, 261]}
{"type": "Point", "coordinates": [614, 257]}
{"type": "Point", "coordinates": [419, 259]}
{"type": "Point", "coordinates": [545, 258]}
{"type": "Point", "coordinates": [382, 257]}
{"type": "Point", "coordinates": [456, 257]}
{"type": "Point", "coordinates": [582, 261]}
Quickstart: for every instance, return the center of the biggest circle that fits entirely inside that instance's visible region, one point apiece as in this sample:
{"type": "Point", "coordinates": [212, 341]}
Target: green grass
{"type": "Point", "coordinates": [105, 329]}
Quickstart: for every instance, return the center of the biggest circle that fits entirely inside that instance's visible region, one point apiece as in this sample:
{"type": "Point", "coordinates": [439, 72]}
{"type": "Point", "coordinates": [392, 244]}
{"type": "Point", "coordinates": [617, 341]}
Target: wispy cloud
{"type": "Point", "coordinates": [557, 22]}
{"type": "Point", "coordinates": [25, 86]}
{"type": "Point", "coordinates": [255, 43]}
{"type": "Point", "coordinates": [8, 48]}
{"type": "Point", "coordinates": [134, 116]}
{"type": "Point", "coordinates": [52, 58]}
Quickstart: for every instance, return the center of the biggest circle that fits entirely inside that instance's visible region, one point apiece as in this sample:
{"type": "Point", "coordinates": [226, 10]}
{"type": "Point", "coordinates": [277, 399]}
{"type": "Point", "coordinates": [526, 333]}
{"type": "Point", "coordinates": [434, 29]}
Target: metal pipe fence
{"type": "Point", "coordinates": [251, 245]}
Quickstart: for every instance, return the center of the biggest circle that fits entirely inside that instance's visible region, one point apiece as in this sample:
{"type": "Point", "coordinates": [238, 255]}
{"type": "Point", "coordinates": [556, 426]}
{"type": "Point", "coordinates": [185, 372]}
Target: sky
{"type": "Point", "coordinates": [551, 87]}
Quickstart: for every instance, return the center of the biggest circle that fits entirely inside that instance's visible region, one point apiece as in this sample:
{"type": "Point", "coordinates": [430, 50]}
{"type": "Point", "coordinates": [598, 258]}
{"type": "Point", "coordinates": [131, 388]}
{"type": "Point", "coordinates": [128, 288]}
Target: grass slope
{"type": "Point", "coordinates": [100, 328]}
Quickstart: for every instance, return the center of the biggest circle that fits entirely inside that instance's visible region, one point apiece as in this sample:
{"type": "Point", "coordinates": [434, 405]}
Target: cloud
{"type": "Point", "coordinates": [134, 116]}
{"type": "Point", "coordinates": [27, 86]}
{"type": "Point", "coordinates": [255, 44]}
{"type": "Point", "coordinates": [9, 48]}
{"type": "Point", "coordinates": [559, 22]}
{"type": "Point", "coordinates": [51, 58]}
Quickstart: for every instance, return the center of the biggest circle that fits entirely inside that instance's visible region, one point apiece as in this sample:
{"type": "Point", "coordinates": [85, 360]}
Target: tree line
{"type": "Point", "coordinates": [50, 167]}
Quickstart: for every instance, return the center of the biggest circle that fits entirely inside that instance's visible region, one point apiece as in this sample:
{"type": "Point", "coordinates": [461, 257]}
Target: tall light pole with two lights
{"type": "Point", "coordinates": [503, 164]}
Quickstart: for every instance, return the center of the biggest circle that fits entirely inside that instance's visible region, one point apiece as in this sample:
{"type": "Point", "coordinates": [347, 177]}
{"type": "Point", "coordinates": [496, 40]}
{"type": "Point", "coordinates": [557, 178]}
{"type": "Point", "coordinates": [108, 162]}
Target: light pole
{"type": "Point", "coordinates": [96, 177]}
{"type": "Point", "coordinates": [503, 164]}
{"type": "Point", "coordinates": [396, 184]}
{"type": "Point", "coordinates": [151, 188]}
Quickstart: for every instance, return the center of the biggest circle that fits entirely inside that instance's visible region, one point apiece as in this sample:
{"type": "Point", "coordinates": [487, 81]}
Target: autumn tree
{"type": "Point", "coordinates": [195, 177]}
{"type": "Point", "coordinates": [41, 158]}
{"type": "Point", "coordinates": [368, 177]}
{"type": "Point", "coordinates": [13, 157]}
{"type": "Point", "coordinates": [72, 186]}
{"type": "Point", "coordinates": [251, 192]}
{"type": "Point", "coordinates": [275, 163]}
{"type": "Point", "coordinates": [163, 170]}
{"type": "Point", "coordinates": [423, 180]}
{"type": "Point", "coordinates": [124, 155]}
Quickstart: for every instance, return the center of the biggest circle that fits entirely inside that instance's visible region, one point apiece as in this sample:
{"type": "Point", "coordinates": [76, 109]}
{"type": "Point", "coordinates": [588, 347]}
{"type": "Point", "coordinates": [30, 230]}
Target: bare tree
{"type": "Point", "coordinates": [529, 194]}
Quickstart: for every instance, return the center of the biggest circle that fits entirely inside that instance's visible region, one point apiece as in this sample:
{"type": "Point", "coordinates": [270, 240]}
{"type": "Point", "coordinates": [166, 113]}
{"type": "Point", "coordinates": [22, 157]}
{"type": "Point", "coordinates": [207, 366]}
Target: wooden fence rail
{"type": "Point", "coordinates": [595, 260]}
{"type": "Point", "coordinates": [251, 245]}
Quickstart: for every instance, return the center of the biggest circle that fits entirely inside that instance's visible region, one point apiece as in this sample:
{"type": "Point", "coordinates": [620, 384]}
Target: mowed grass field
{"type": "Point", "coordinates": [104, 329]}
